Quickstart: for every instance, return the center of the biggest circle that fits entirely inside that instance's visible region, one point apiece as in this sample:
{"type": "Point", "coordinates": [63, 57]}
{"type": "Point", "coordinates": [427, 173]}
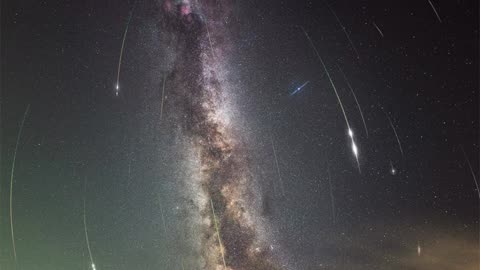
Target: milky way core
{"type": "Point", "coordinates": [200, 104]}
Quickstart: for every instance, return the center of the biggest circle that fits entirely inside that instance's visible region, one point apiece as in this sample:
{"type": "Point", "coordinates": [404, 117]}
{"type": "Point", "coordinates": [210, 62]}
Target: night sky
{"type": "Point", "coordinates": [225, 145]}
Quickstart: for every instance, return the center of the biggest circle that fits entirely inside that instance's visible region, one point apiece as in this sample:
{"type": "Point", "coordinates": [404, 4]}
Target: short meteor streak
{"type": "Point", "coordinates": [92, 264]}
{"type": "Point", "coordinates": [218, 235]}
{"type": "Point", "coordinates": [476, 183]}
{"type": "Point", "coordinates": [435, 10]}
{"type": "Point", "coordinates": [163, 220]}
{"type": "Point", "coordinates": [117, 85]}
{"type": "Point", "coordinates": [277, 166]}
{"type": "Point", "coordinates": [395, 132]}
{"type": "Point", "coordinates": [356, 100]}
{"type": "Point", "coordinates": [298, 89]}
{"type": "Point", "coordinates": [208, 30]}
{"type": "Point", "coordinates": [350, 132]}
{"type": "Point", "coordinates": [344, 29]}
{"type": "Point", "coordinates": [332, 198]}
{"type": "Point", "coordinates": [209, 40]}
{"type": "Point", "coordinates": [472, 172]}
{"type": "Point", "coordinates": [378, 29]}
{"type": "Point", "coordinates": [12, 172]}
{"type": "Point", "coordinates": [163, 97]}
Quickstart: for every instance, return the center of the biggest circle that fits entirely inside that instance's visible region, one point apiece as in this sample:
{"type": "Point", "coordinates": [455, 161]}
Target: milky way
{"type": "Point", "coordinates": [199, 100]}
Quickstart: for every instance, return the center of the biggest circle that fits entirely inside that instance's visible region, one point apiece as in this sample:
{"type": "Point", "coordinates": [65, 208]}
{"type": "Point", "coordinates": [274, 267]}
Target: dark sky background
{"type": "Point", "coordinates": [61, 58]}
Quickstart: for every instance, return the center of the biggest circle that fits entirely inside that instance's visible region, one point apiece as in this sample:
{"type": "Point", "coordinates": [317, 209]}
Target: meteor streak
{"type": "Point", "coordinates": [218, 235]}
{"type": "Point", "coordinates": [208, 30]}
{"type": "Point", "coordinates": [92, 264]}
{"type": "Point", "coordinates": [471, 171]}
{"type": "Point", "coordinates": [378, 29]}
{"type": "Point", "coordinates": [475, 181]}
{"type": "Point", "coordinates": [163, 220]}
{"type": "Point", "coordinates": [435, 10]}
{"type": "Point", "coordinates": [350, 132]}
{"type": "Point", "coordinates": [163, 97]}
{"type": "Point", "coordinates": [209, 39]}
{"type": "Point", "coordinates": [354, 148]}
{"type": "Point", "coordinates": [343, 29]}
{"type": "Point", "coordinates": [117, 85]}
{"type": "Point", "coordinates": [394, 131]}
{"type": "Point", "coordinates": [298, 89]}
{"type": "Point", "coordinates": [11, 182]}
{"type": "Point", "coordinates": [278, 167]}
{"type": "Point", "coordinates": [356, 100]}
{"type": "Point", "coordinates": [332, 198]}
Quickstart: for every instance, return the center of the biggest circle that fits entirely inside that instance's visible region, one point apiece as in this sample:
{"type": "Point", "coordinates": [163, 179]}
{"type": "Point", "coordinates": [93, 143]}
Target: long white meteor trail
{"type": "Point", "coordinates": [92, 264]}
{"type": "Point", "coordinates": [11, 182]}
{"type": "Point", "coordinates": [355, 97]}
{"type": "Point", "coordinates": [350, 132]}
{"type": "Point", "coordinates": [117, 85]}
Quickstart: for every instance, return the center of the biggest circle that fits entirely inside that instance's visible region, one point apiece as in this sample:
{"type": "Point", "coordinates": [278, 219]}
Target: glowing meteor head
{"type": "Point", "coordinates": [93, 266]}
{"type": "Point", "coordinates": [393, 171]}
{"type": "Point", "coordinates": [117, 87]}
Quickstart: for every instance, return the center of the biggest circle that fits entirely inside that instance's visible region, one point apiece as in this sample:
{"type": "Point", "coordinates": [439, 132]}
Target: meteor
{"type": "Point", "coordinates": [471, 171]}
{"type": "Point", "coordinates": [378, 29]}
{"type": "Point", "coordinates": [435, 10]}
{"type": "Point", "coordinates": [350, 132]}
{"type": "Point", "coordinates": [332, 198]}
{"type": "Point", "coordinates": [298, 89]}
{"type": "Point", "coordinates": [356, 100]}
{"type": "Point", "coordinates": [394, 131]}
{"type": "Point", "coordinates": [117, 85]}
{"type": "Point", "coordinates": [393, 171]}
{"type": "Point", "coordinates": [343, 29]}
{"type": "Point", "coordinates": [209, 39]}
{"type": "Point", "coordinates": [218, 235]}
{"type": "Point", "coordinates": [475, 181]}
{"type": "Point", "coordinates": [11, 182]}
{"type": "Point", "coordinates": [207, 28]}
{"type": "Point", "coordinates": [92, 264]}
{"type": "Point", "coordinates": [163, 97]}
{"type": "Point", "coordinates": [278, 167]}
{"type": "Point", "coordinates": [354, 148]}
{"type": "Point", "coordinates": [163, 220]}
